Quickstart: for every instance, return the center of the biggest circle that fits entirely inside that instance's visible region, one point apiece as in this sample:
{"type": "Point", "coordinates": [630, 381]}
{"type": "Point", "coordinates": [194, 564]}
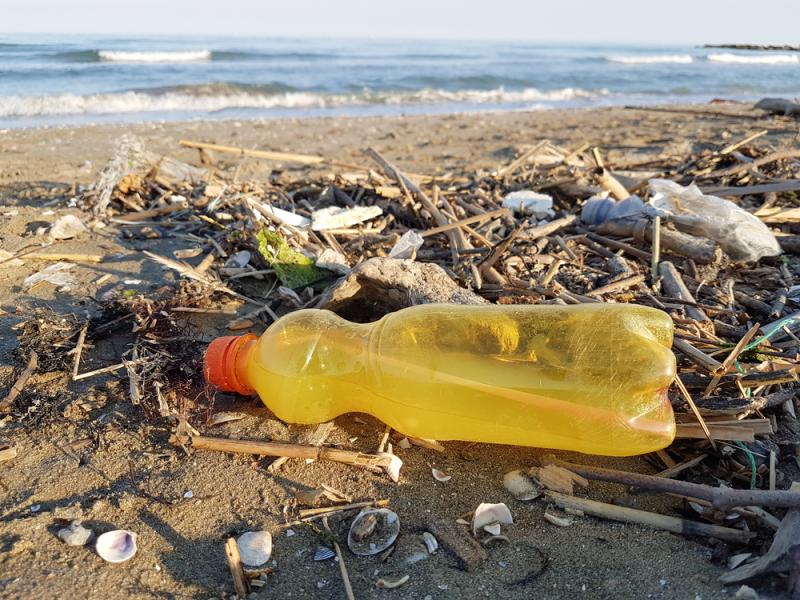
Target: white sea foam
{"type": "Point", "coordinates": [682, 59]}
{"type": "Point", "coordinates": [155, 57]}
{"type": "Point", "coordinates": [185, 101]}
{"type": "Point", "coordinates": [755, 59]}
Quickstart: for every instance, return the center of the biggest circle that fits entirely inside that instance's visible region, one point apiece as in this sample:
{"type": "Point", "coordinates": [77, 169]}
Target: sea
{"type": "Point", "coordinates": [50, 80]}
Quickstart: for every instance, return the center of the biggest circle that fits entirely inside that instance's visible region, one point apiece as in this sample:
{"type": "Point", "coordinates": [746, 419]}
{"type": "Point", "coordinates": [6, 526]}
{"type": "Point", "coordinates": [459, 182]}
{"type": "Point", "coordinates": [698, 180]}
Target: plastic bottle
{"type": "Point", "coordinates": [591, 378]}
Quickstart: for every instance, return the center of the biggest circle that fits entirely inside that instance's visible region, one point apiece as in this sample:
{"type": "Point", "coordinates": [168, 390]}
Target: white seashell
{"type": "Point", "coordinates": [493, 529]}
{"type": "Point", "coordinates": [521, 486]}
{"type": "Point", "coordinates": [404, 444]}
{"type": "Point", "coordinates": [116, 546]}
{"type": "Point", "coordinates": [487, 514]}
{"type": "Point", "coordinates": [556, 520]}
{"type": "Point", "coordinates": [75, 534]}
{"type": "Point", "coordinates": [394, 466]}
{"type": "Point", "coordinates": [461, 521]}
{"type": "Point", "coordinates": [373, 531]}
{"type": "Point", "coordinates": [323, 553]}
{"type": "Point", "coordinates": [391, 584]}
{"type": "Point", "coordinates": [440, 475]}
{"type": "Point", "coordinates": [225, 417]}
{"type": "Point", "coordinates": [255, 547]}
{"type": "Point", "coordinates": [431, 543]}
{"type": "Point", "coordinates": [737, 559]}
{"type": "Point", "coordinates": [66, 227]}
{"type": "Point", "coordinates": [238, 260]}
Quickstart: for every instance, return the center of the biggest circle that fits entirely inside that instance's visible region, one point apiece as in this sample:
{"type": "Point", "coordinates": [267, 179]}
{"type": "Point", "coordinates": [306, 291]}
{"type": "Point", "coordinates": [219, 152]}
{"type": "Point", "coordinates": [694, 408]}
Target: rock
{"type": "Point", "coordinates": [75, 534]}
{"type": "Point", "coordinates": [382, 285]}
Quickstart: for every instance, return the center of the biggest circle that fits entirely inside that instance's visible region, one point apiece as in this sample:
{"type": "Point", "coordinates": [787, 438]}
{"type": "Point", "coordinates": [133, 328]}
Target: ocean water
{"type": "Point", "coordinates": [52, 80]}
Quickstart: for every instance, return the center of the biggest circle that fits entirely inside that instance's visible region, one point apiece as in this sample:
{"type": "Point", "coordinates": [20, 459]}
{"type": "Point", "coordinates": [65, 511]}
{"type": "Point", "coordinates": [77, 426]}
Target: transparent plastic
{"type": "Point", "coordinates": [590, 378]}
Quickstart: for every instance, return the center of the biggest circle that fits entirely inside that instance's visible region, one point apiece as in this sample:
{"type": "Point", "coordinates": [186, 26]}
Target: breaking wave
{"type": "Point", "coordinates": [217, 97]}
{"type": "Point", "coordinates": [155, 57]}
{"type": "Point", "coordinates": [683, 59]}
{"type": "Point", "coordinates": [757, 59]}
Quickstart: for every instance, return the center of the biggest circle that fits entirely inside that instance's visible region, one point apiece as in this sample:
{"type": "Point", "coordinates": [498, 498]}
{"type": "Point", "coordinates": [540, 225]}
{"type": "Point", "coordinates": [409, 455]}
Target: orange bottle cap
{"type": "Point", "coordinates": [219, 364]}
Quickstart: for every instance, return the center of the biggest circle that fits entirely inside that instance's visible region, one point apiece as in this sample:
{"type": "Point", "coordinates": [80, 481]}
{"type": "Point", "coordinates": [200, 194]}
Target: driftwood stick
{"type": "Point", "coordinates": [699, 249]}
{"type": "Point", "coordinates": [500, 212]}
{"type": "Point", "coordinates": [79, 350]}
{"type": "Point", "coordinates": [540, 231]}
{"type": "Point", "coordinates": [310, 513]}
{"type": "Point", "coordinates": [698, 357]}
{"type": "Point", "coordinates": [240, 583]}
{"type": "Point", "coordinates": [642, 517]}
{"type": "Point", "coordinates": [758, 162]}
{"type": "Point", "coordinates": [305, 159]}
{"type": "Point", "coordinates": [674, 286]}
{"type": "Point", "coordinates": [204, 442]}
{"type": "Point", "coordinates": [731, 359]}
{"type": "Point", "coordinates": [721, 498]}
{"type": "Point", "coordinates": [348, 588]}
{"type": "Point", "coordinates": [617, 286]}
{"type": "Point", "coordinates": [688, 397]}
{"type": "Point", "coordinates": [19, 384]}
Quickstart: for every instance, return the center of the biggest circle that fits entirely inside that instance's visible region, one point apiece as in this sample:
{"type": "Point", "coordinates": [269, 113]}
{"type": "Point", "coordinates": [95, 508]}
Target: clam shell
{"type": "Point", "coordinates": [431, 543]}
{"type": "Point", "coordinates": [116, 546]}
{"type": "Point", "coordinates": [255, 547]}
{"type": "Point", "coordinates": [488, 514]}
{"type": "Point", "coordinates": [323, 553]}
{"type": "Point", "coordinates": [373, 531]}
{"type": "Point", "coordinates": [440, 475]}
{"type": "Point", "coordinates": [521, 486]}
{"type": "Point", "coordinates": [75, 534]}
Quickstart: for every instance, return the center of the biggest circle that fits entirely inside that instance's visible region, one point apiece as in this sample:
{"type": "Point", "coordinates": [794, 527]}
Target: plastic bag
{"type": "Point", "coordinates": [599, 209]}
{"type": "Point", "coordinates": [741, 235]}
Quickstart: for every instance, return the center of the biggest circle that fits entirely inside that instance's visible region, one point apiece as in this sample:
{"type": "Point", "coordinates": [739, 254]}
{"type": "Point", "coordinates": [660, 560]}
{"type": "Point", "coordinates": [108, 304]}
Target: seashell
{"type": "Point", "coordinates": [556, 520]}
{"type": "Point", "coordinates": [737, 559]}
{"type": "Point", "coordinates": [255, 547]}
{"type": "Point", "coordinates": [495, 538]}
{"type": "Point", "coordinates": [373, 531]}
{"type": "Point", "coordinates": [487, 514]}
{"type": "Point", "coordinates": [323, 553]}
{"type": "Point", "coordinates": [440, 475]}
{"type": "Point", "coordinates": [238, 260]}
{"type": "Point", "coordinates": [493, 529]}
{"type": "Point", "coordinates": [404, 444]}
{"type": "Point", "coordinates": [521, 486]}
{"type": "Point", "coordinates": [431, 543]}
{"type": "Point", "coordinates": [389, 584]}
{"type": "Point", "coordinates": [226, 417]}
{"type": "Point", "coordinates": [116, 546]}
{"type": "Point", "coordinates": [394, 466]}
{"type": "Point", "coordinates": [74, 534]}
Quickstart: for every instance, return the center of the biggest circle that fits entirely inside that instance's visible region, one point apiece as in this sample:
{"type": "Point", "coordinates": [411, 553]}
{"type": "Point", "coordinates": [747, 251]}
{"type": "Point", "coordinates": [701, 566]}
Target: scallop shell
{"type": "Point", "coordinates": [521, 486]}
{"type": "Point", "coordinates": [373, 531]}
{"type": "Point", "coordinates": [488, 514]}
{"type": "Point", "coordinates": [255, 547]}
{"type": "Point", "coordinates": [116, 546]}
{"type": "Point", "coordinates": [75, 534]}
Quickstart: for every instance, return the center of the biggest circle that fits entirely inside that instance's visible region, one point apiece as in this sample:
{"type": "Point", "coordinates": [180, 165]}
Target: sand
{"type": "Point", "coordinates": [113, 469]}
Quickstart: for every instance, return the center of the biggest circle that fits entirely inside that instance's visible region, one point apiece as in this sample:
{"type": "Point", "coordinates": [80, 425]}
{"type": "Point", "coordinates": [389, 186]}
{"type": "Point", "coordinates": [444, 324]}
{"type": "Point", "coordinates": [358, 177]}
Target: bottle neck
{"type": "Point", "coordinates": [226, 363]}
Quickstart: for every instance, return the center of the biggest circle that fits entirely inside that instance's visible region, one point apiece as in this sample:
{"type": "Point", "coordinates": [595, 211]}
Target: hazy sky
{"type": "Point", "coordinates": [664, 21]}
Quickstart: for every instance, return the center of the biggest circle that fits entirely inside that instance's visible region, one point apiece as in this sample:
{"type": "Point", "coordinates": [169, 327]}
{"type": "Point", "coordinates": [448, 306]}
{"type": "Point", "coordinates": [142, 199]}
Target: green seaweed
{"type": "Point", "coordinates": [292, 268]}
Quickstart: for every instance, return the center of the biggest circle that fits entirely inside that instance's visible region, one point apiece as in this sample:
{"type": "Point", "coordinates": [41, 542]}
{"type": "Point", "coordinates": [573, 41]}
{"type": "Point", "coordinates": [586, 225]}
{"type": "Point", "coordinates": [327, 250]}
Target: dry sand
{"type": "Point", "coordinates": [114, 470]}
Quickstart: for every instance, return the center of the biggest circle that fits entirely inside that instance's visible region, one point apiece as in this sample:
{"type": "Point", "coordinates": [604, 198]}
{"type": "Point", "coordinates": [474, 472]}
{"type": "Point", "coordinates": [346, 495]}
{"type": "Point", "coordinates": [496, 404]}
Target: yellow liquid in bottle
{"type": "Point", "coordinates": [590, 378]}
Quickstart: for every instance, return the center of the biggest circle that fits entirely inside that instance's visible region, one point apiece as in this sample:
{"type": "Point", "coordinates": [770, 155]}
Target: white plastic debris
{"type": "Point", "coordinates": [66, 227]}
{"type": "Point", "coordinates": [330, 260]}
{"type": "Point", "coordinates": [239, 260]}
{"type": "Point", "coordinates": [528, 202]}
{"type": "Point", "coordinates": [55, 274]}
{"type": "Point", "coordinates": [283, 216]}
{"type": "Point", "coordinates": [335, 217]}
{"type": "Point", "coordinates": [407, 245]}
{"type": "Point", "coordinates": [599, 209]}
{"type": "Point", "coordinates": [741, 235]}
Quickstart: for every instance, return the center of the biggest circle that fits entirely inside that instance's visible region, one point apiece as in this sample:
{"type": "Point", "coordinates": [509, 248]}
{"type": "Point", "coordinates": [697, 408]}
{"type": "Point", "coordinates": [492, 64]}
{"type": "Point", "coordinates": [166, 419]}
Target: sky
{"type": "Point", "coordinates": [604, 21]}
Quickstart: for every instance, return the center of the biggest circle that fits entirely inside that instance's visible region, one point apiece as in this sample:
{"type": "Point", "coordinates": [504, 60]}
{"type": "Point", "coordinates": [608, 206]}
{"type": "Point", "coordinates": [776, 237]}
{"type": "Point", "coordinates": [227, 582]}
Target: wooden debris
{"type": "Point", "coordinates": [649, 519]}
{"type": "Point", "coordinates": [456, 539]}
{"type": "Point", "coordinates": [240, 583]}
{"type": "Point", "coordinates": [7, 402]}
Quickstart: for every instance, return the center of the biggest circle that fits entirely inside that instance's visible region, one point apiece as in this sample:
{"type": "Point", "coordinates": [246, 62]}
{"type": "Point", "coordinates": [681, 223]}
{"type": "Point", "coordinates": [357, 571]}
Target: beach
{"type": "Point", "coordinates": [118, 468]}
